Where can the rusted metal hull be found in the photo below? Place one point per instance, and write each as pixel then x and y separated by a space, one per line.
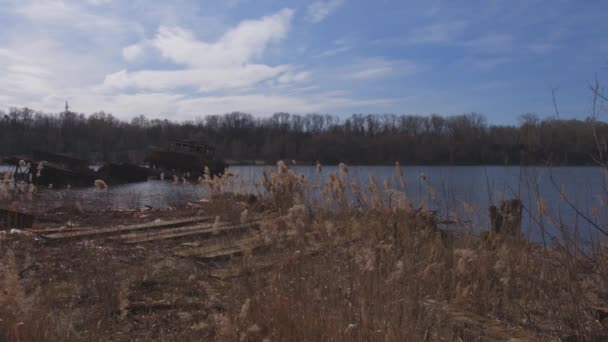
pixel 63 160
pixel 184 162
pixel 123 173
pixel 57 176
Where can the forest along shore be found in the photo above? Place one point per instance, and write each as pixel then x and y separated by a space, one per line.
pixel 465 139
pixel 236 267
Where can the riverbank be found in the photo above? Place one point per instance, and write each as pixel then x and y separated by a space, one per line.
pixel 273 268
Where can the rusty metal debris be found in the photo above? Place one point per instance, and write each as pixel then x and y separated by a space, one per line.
pixel 56 172
pixel 181 158
pixel 184 156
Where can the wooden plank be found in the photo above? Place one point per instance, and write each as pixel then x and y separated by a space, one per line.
pixel 55 230
pixel 120 229
pixel 202 231
pixel 161 231
pixel 220 249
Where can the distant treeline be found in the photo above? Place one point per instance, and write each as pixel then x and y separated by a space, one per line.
pixel 359 139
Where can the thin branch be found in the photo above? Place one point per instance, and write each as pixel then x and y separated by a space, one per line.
pixel 594 116
pixel 553 90
pixel 573 207
pixel 597 92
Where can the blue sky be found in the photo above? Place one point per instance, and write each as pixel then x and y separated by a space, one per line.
pixel 183 59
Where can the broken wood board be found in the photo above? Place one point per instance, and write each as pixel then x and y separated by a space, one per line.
pixel 162 231
pixel 209 230
pixel 119 229
pixel 56 230
pixel 220 250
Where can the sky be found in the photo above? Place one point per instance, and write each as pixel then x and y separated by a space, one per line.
pixel 184 59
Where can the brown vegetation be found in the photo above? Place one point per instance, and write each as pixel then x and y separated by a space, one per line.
pixel 355 263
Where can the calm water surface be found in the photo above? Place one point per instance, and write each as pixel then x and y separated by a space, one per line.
pixel 463 192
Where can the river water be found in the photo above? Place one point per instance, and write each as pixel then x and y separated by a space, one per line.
pixel 572 199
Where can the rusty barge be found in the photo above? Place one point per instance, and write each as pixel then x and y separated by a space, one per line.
pixel 181 157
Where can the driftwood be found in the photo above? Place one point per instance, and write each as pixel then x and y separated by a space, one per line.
pixel 506 218
pixel 90 233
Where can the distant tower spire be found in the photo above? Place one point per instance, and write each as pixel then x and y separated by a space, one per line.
pixel 67 108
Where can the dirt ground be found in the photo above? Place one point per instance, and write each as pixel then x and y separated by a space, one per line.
pixel 256 281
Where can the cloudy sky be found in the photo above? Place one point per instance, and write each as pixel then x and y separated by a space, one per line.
pixel 182 59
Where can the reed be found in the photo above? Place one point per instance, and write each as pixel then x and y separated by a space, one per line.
pixel 348 262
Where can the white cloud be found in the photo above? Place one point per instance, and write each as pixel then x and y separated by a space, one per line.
pixel 98 2
pixel 182 107
pixel 56 64
pixel 321 9
pixel 246 41
pixel 294 77
pixel 267 104
pixel 62 13
pixel 41 67
pixel 204 80
pixel 375 68
pixel 132 52
pixel 334 51
pixel 224 64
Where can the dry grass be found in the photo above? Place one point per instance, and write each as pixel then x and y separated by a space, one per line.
pixel 344 262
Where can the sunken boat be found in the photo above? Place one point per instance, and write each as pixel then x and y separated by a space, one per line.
pixel 123 173
pixel 185 157
pixel 52 169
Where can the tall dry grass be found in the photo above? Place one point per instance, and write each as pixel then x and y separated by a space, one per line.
pixel 369 265
pixel 348 262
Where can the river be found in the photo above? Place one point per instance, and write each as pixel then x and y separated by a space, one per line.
pixel 571 199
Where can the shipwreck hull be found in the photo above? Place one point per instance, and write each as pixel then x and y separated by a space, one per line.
pixel 184 162
pixel 57 176
pixel 123 173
